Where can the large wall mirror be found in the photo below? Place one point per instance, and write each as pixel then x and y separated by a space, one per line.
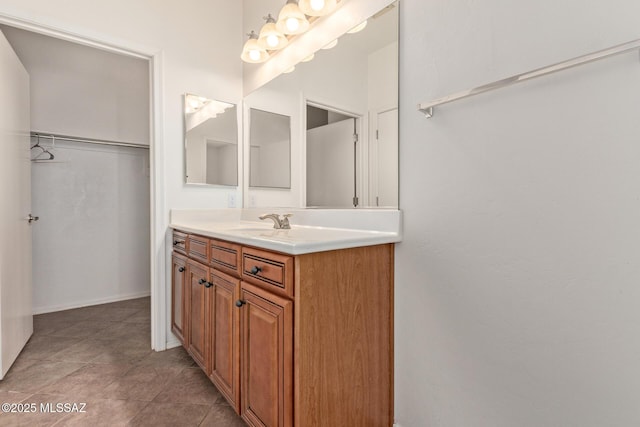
pixel 345 134
pixel 211 141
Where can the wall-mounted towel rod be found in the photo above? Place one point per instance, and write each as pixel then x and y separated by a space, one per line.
pixel 427 107
pixel 87 140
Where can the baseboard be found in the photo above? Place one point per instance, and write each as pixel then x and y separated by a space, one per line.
pixel 50 309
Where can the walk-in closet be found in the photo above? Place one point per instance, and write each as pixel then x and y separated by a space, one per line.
pixel 89 112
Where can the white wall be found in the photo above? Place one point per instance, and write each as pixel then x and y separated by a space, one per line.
pixel 91 243
pixel 517 281
pixel 382 77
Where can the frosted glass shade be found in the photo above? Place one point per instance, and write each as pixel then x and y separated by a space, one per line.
pixel 270 38
pixel 291 20
pixel 252 51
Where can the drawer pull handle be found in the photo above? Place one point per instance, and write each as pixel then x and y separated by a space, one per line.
pixel 176 242
pixel 201 281
pixel 181 269
pixel 240 303
pixel 208 285
pixel 256 270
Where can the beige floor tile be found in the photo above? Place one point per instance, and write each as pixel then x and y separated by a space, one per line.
pixel 104 412
pixel 222 416
pixel 42 347
pixel 170 415
pixel 85 329
pixel 13 396
pixel 139 383
pixel 191 386
pixel 138 303
pixel 88 381
pixel 43 412
pixel 37 376
pixel 83 351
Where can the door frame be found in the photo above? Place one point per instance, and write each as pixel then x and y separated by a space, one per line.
pixel 158 243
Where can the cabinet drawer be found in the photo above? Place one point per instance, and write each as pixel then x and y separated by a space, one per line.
pixel 268 270
pixel 198 248
pixel 180 242
pixel 225 256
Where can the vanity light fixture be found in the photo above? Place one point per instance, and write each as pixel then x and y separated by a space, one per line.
pixel 270 38
pixel 331 44
pixel 252 51
pixel 358 28
pixel 291 19
pixel 317 7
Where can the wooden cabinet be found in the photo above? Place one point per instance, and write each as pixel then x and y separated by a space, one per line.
pixel 303 340
pixel 178 275
pixel 266 337
pixel 225 344
pixel 197 331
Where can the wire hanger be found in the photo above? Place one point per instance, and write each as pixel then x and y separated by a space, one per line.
pixel 38 158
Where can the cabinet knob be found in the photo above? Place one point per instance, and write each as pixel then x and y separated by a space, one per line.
pixel 181 269
pixel 256 270
pixel 240 303
pixel 208 285
pixel 175 242
pixel 201 281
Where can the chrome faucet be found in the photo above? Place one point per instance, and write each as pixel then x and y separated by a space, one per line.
pixel 280 224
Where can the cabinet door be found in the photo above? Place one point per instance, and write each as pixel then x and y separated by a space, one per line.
pixel 267 358
pixel 197 275
pixel 225 336
pixel 178 300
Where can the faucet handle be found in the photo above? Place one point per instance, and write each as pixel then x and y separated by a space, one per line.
pixel 284 223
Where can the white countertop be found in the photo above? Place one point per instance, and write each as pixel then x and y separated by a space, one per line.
pixel 300 239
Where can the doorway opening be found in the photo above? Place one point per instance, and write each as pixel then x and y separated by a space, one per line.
pixel 88 180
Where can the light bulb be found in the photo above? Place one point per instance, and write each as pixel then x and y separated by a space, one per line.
pixel 293 24
pixel 254 55
pixel 309 58
pixel 317 4
pixel 272 40
pixel 289 70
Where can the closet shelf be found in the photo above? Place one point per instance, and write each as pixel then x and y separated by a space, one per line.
pixel 427 107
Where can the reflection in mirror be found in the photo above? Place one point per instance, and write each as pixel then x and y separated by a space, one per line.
pixel 347 132
pixel 211 141
pixel 331 148
pixel 269 149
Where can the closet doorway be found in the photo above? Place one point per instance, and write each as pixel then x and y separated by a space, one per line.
pixel 90 139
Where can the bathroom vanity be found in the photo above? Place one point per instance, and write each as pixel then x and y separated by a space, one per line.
pixel 293 331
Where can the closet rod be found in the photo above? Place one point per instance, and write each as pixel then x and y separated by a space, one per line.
pixel 427 107
pixel 54 136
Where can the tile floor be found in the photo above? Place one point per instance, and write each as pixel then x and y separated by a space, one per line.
pixel 101 355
